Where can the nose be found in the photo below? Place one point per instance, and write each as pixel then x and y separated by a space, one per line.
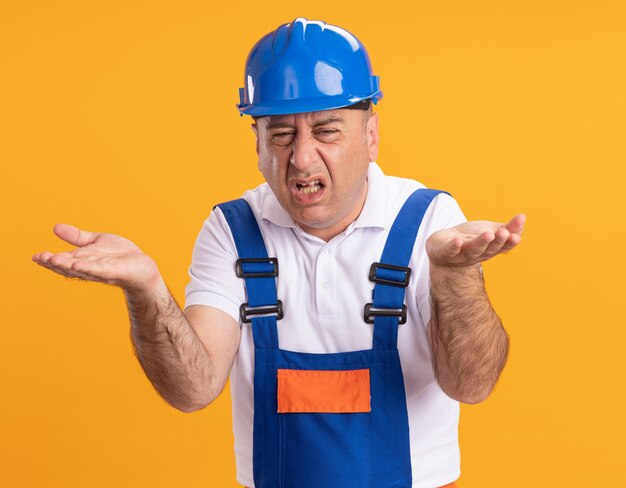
pixel 303 152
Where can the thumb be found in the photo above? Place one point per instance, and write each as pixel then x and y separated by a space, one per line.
pixel 73 235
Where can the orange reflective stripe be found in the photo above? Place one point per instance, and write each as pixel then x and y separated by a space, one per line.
pixel 323 391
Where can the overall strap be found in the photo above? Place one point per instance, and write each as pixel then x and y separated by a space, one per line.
pixel 259 272
pixel 392 274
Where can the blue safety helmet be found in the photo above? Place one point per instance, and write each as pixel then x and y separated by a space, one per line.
pixel 306 66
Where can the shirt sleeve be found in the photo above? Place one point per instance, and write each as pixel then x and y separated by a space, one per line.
pixel 443 213
pixel 212 278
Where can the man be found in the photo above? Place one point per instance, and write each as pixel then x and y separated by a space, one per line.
pixel 338 380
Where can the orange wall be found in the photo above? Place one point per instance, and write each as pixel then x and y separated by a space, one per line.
pixel 120 117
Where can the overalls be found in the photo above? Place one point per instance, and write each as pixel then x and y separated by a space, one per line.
pixel 338 419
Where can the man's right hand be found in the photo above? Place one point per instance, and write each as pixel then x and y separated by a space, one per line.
pixel 187 356
pixel 107 258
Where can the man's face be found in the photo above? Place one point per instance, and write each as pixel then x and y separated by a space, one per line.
pixel 316 164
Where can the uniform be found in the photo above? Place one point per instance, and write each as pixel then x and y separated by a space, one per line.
pixel 324 288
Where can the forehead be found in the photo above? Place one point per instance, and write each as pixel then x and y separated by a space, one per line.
pixel 341 116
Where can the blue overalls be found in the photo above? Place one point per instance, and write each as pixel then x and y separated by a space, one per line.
pixel 303 437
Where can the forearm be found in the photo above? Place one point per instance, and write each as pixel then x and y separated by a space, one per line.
pixel 168 349
pixel 469 346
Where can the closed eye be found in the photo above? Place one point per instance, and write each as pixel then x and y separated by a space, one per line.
pixel 282 138
pixel 327 134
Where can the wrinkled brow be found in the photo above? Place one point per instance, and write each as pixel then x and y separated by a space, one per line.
pixel 280 124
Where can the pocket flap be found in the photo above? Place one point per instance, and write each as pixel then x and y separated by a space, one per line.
pixel 315 391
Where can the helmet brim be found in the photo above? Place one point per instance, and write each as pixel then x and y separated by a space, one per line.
pixel 296 106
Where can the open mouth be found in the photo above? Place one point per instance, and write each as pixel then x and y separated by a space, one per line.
pixel 310 187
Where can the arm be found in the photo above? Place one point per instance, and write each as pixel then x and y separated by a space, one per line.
pixel 187 357
pixel 468 343
pixel 467 340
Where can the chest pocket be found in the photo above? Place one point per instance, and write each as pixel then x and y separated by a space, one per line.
pixel 324 428
pixel 318 391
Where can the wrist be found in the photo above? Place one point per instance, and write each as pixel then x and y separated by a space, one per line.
pixel 152 289
pixel 456 280
pixel 455 272
pixel 148 280
pixel 146 304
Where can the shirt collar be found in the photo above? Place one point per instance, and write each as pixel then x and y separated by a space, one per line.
pixel 372 215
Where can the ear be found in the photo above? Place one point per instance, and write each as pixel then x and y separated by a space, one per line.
pixel 371 131
pixel 255 129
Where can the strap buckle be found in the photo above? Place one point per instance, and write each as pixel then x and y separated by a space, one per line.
pixel 389 280
pixel 247 313
pixel 370 312
pixel 256 274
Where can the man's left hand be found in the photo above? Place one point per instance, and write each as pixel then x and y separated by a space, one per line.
pixel 471 242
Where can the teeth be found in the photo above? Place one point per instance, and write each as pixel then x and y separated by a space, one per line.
pixel 310 183
pixel 310 187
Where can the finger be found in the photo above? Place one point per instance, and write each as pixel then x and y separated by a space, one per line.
pixel 69 273
pixel 501 237
pixel 516 224
pixel 42 257
pixel 88 253
pixel 63 263
pixel 444 250
pixel 97 271
pixel 62 260
pixel 477 247
pixel 77 269
pixel 454 247
pixel 511 242
pixel 74 235
pixel 90 267
pixel 450 248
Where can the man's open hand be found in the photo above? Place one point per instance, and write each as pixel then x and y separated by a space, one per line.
pixel 472 242
pixel 107 258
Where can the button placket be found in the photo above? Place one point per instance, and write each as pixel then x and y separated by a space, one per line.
pixel 325 284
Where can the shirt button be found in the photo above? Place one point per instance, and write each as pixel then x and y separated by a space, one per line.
pixel 324 284
pixel 325 252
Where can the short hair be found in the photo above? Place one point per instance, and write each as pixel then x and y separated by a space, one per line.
pixel 362 105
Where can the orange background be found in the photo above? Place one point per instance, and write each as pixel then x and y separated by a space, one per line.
pixel 120 117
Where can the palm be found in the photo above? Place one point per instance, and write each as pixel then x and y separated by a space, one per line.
pixel 472 242
pixel 106 258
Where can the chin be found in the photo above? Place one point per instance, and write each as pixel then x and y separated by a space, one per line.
pixel 313 220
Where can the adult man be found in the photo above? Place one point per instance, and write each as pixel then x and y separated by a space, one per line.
pixel 341 402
